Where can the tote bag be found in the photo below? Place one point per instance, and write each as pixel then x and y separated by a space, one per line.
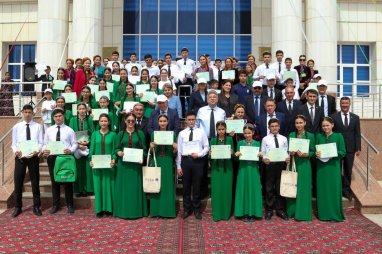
pixel 288 182
pixel 151 176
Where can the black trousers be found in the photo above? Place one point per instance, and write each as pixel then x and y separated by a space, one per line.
pixel 19 176
pixel 56 185
pixel 347 166
pixel 192 178
pixel 272 173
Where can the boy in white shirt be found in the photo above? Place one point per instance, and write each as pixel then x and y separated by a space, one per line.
pixel 47 108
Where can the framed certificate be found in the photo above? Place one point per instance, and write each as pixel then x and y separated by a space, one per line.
pixel 141 88
pixel 99 94
pixel 96 112
pixel 301 144
pixel 148 96
pixel 228 74
pixel 164 137
pixel 220 152
pixel 277 154
pixel 205 75
pixel 101 161
pixel 129 105
pixel 55 147
pixel 235 125
pixel 249 153
pixel 191 147
pixel 93 88
pixel 115 77
pixel 110 86
pixel 69 97
pixel 59 84
pixel 28 147
pixel 327 150
pixel 133 155
pixel 82 136
pixel 133 79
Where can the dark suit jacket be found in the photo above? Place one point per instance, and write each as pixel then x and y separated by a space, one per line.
pixel 196 102
pixel 303 69
pixel 318 116
pixel 250 107
pixel 289 117
pixel 277 96
pixel 263 124
pixel 352 134
pixel 331 104
pixel 44 78
pixel 173 118
pixel 228 108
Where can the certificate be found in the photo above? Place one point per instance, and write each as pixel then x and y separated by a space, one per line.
pixel 99 94
pixel 235 125
pixel 205 75
pixel 96 112
pixel 220 152
pixel 55 147
pixel 163 137
pixel 266 72
pixel 133 79
pixel 93 88
pixel 141 88
pixel 132 155
pixel 191 147
pixel 148 96
pixel 82 136
pixel 110 86
pixel 327 150
pixel 101 161
pixel 74 109
pixel 129 105
pixel 115 77
pixel 69 97
pixel 28 147
pixel 187 69
pixel 312 86
pixel 228 74
pixel 301 144
pixel 249 153
pixel 59 84
pixel 277 154
pixel 289 74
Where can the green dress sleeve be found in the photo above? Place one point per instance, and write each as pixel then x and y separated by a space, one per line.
pixel 341 146
pixel 92 145
pixel 312 147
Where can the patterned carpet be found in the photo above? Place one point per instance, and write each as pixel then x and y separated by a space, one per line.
pixel 84 233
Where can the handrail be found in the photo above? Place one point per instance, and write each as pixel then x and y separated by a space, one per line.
pixel 368 158
pixel 370 144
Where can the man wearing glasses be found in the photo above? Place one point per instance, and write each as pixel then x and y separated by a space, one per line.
pixel 303 73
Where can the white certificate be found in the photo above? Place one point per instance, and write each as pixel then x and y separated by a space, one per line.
pixel 228 74
pixel 277 154
pixel 55 147
pixel 133 155
pixel 129 105
pixel 191 147
pixel 141 88
pixel 96 112
pixel 205 75
pixel 164 137
pixel 301 144
pixel 93 88
pixel 59 84
pixel 220 152
pixel 235 125
pixel 187 69
pixel 327 150
pixel 101 161
pixel 249 153
pixel 149 96
pixel 99 94
pixel 69 97
pixel 133 79
pixel 110 86
pixel 28 147
pixel 266 72
pixel 115 77
pixel 289 74
pixel 74 109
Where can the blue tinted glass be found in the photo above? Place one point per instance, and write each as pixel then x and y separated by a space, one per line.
pixel 363 73
pixel 206 45
pixel 149 45
pixel 188 41
pixel 186 17
pixel 149 18
pixel 29 53
pixel 363 54
pixel 362 91
pixel 167 17
pixel 338 74
pixel 15 55
pixel 243 17
pixel 242 47
pixel 206 17
pixel 130 45
pixel 347 54
pixel 131 17
pixel 224 46
pixel 15 71
pixel 348 78
pixel 224 17
pixel 167 44
pixel 338 53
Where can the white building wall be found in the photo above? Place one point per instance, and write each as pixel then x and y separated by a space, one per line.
pixel 113 24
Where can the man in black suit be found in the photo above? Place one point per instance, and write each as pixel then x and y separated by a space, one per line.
pixel 313 114
pixel 46 78
pixel 348 124
pixel 270 108
pixel 163 109
pixel 289 107
pixel 303 74
pixel 141 121
pixel 254 104
pixel 325 101
pixel 271 91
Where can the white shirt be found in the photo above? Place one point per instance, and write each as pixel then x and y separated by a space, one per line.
pixel 47 115
pixel 269 118
pixel 110 64
pixel 325 103
pixel 216 72
pixel 175 72
pixel 203 118
pixel 197 135
pixel 130 65
pixel 295 79
pixel 19 134
pixel 67 136
pixel 276 65
pixel 343 117
pixel 261 70
pixel 268 142
pixel 153 70
pixel 187 68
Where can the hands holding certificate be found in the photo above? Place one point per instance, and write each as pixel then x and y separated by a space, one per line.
pixel 174 145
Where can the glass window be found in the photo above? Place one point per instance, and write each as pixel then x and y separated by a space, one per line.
pixel 149 17
pixel 15 55
pixel 19 55
pixel 130 45
pixel 167 17
pixel 348 54
pixel 224 17
pixel 29 53
pixel 348 78
pixel 242 47
pixel 362 54
pixel 243 17
pixel 206 45
pixel 224 46
pixel 131 17
pixel 188 41
pixel 362 91
pixel 206 17
pixel 149 46
pixel 167 44
pixel 15 71
pixel 186 17
pixel 363 73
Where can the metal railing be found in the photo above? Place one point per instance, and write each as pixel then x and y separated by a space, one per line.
pixel 369 148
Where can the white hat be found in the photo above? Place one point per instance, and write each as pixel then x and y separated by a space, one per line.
pixel 317 75
pixel 257 84
pixel 271 76
pixel 48 90
pixel 161 98
pixel 202 81
pixel 322 82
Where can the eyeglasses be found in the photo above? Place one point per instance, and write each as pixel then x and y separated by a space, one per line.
pixel 130 121
pixel 302 60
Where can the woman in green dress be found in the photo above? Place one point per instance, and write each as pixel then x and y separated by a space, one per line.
pixel 221 177
pixel 150 106
pixel 162 204
pixel 300 208
pixel 68 89
pixel 144 77
pixel 119 89
pixel 329 186
pixel 248 197
pixel 87 98
pixel 104 103
pixel 130 95
pixel 84 182
pixel 129 199
pixel 102 143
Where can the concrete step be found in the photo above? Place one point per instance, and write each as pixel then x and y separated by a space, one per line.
pixel 44 176
pixel 45 186
pixel 46 200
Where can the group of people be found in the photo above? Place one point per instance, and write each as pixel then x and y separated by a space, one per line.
pixel 273 101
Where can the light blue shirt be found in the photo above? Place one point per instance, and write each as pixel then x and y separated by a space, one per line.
pixel 325 103
pixel 203 118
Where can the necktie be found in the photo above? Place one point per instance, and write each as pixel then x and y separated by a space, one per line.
pixel 28 132
pixel 276 141
pixel 271 116
pixel 58 135
pixel 139 123
pixel 346 121
pixel 169 71
pixel 162 113
pixel 290 107
pixel 271 93
pixel 185 62
pixel 257 105
pixel 267 65
pixel 279 67
pixel 312 114
pixel 212 124
pixel 322 102
pixel 190 138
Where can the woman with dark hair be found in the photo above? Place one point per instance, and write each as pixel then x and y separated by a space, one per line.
pixel 173 100
pixel 129 199
pixel 119 89
pixel 97 67
pixel 60 76
pixel 300 208
pixel 150 106
pixel 70 72
pixel 82 76
pixel 107 75
pixel 227 100
pixel 228 66
pixel 87 98
pixel 203 67
pixel 145 77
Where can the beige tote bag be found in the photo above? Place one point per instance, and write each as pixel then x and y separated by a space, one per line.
pixel 151 176
pixel 288 182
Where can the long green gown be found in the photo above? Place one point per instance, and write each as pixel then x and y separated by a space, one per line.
pixel 248 198
pixel 221 183
pixel 84 182
pixel 329 186
pixel 103 179
pixel 129 199
pixel 163 203
pixel 149 109
pixel 300 207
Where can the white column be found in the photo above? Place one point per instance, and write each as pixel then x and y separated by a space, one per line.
pixel 52 33
pixel 321 31
pixel 87 28
pixel 287 28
